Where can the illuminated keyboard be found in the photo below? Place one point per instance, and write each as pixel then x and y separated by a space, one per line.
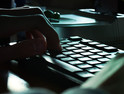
pixel 81 58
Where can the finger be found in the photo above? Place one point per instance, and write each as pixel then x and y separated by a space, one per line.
pixel 29 35
pixel 34 34
pixel 37 34
pixel 28 48
pixel 51 36
pixel 53 51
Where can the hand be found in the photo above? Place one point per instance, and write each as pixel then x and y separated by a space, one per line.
pixel 42 31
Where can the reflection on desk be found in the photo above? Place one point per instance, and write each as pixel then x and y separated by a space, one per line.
pixel 16 84
pixel 23 77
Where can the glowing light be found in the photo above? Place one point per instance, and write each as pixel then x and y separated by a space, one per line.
pixel 16 84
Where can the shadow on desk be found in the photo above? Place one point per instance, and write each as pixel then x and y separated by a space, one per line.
pixel 21 77
pixel 3 80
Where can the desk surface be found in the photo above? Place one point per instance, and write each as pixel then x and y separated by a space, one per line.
pixel 72 20
pixel 22 79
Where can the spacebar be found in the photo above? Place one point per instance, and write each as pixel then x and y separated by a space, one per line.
pixel 67 66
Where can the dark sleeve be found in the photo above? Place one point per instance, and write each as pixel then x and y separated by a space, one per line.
pixel 77 90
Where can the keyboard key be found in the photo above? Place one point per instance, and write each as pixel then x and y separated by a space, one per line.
pixel 87 48
pixel 60 56
pixel 66 59
pixel 76 56
pixel 85 74
pixel 79 45
pixel 65 45
pixel 68 53
pixel 120 51
pixel 95 51
pixel 75 38
pixel 64 50
pixel 85 41
pixel 84 59
pixel 110 49
pixel 47 53
pixel 94 69
pixel 103 53
pixel 87 53
pixel 100 65
pixel 68 66
pixel 93 62
pixel 84 66
pixel 101 45
pixel 111 56
pixel 95 56
pixel 73 43
pixel 65 41
pixel 103 59
pixel 93 44
pixel 75 62
pixel 71 48
pixel 79 51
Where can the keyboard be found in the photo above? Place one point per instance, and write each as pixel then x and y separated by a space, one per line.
pixel 80 58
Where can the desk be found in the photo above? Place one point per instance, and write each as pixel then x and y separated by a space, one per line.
pixel 87 24
pixel 22 79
